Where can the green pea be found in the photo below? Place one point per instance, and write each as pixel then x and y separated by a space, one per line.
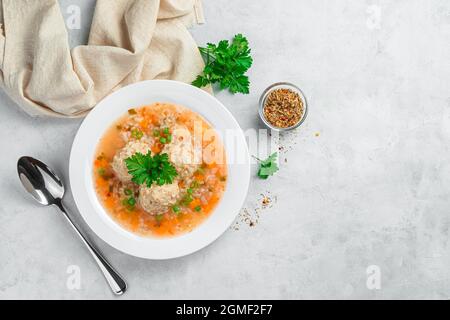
pixel 198 208
pixel 101 171
pixel 128 192
pixel 187 199
pixel 194 184
pixel 163 140
pixel 176 209
pixel 201 170
pixel 190 190
pixel 156 133
pixel 131 201
pixel 137 134
pixel 169 138
pixel 166 131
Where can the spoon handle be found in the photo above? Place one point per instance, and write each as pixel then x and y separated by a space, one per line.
pixel 115 281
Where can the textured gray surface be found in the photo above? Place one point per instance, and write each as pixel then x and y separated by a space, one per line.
pixel 372 189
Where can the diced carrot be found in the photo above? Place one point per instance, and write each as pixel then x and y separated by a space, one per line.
pixel 144 124
pixel 211 204
pixel 109 202
pixel 211 165
pixel 156 148
pixel 194 203
pixel 222 170
pixel 199 177
pixel 134 221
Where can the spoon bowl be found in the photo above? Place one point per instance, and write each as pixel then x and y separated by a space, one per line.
pixel 40 181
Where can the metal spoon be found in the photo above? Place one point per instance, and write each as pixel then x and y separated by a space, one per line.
pixel 45 186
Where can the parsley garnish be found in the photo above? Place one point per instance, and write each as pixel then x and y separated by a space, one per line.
pixel 147 169
pixel 268 167
pixel 226 64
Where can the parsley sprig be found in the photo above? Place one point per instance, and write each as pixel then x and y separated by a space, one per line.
pixel 146 169
pixel 268 167
pixel 226 64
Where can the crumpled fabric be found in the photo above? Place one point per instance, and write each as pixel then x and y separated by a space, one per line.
pixel 129 41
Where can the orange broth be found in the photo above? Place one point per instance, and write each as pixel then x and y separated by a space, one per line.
pixel 209 179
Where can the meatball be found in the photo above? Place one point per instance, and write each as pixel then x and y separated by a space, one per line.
pixel 118 164
pixel 182 153
pixel 157 199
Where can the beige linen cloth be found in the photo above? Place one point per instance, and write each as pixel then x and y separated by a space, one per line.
pixel 129 41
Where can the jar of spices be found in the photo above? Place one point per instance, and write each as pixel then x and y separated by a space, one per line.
pixel 283 106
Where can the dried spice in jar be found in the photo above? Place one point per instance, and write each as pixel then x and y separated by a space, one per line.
pixel 283 108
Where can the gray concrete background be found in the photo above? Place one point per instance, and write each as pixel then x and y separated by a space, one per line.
pixel 373 188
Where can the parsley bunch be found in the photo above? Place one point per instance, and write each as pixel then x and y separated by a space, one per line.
pixel 147 169
pixel 226 64
pixel 268 167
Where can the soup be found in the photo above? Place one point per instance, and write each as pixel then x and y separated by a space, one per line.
pixel 160 170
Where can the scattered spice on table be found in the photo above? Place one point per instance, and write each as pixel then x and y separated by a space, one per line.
pixel 266 201
pixel 250 219
pixel 250 215
pixel 283 108
pixel 288 140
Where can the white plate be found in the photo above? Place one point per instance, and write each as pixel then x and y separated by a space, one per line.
pixel 108 111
